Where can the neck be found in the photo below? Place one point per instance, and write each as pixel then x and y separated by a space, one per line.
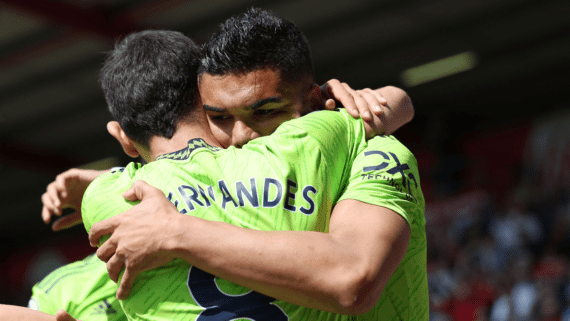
pixel 185 131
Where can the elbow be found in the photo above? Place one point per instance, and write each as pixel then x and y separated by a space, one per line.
pixel 407 103
pixel 400 98
pixel 358 294
pixel 404 101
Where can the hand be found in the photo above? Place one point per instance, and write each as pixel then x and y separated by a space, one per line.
pixel 138 236
pixel 62 315
pixel 67 192
pixel 365 102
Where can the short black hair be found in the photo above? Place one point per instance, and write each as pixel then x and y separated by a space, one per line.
pixel 256 40
pixel 150 82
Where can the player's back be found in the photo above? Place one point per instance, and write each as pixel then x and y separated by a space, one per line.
pixel 263 187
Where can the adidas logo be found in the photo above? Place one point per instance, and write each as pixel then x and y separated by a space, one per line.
pixel 104 308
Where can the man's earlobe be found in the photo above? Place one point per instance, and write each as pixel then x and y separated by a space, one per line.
pixel 128 145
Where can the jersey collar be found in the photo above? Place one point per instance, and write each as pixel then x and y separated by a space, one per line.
pixel 193 144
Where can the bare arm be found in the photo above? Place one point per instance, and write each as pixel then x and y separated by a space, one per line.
pixel 355 259
pixel 343 271
pixel 11 313
pixel 399 110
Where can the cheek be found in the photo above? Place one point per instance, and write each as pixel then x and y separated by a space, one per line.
pixel 222 138
pixel 221 135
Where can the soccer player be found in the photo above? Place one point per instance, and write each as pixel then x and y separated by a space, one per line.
pixel 408 288
pixel 301 280
pixel 238 120
pixel 288 182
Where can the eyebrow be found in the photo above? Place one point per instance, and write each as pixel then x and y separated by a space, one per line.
pixel 258 104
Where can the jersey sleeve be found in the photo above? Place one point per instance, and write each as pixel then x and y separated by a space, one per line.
pixel 103 198
pixel 385 174
pixel 40 301
pixel 82 288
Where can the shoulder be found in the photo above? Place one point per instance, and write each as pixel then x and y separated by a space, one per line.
pixel 54 289
pixel 71 272
pixel 325 120
pixel 390 150
pixel 333 131
pixel 385 173
pixel 103 197
pixel 115 176
pixel 83 288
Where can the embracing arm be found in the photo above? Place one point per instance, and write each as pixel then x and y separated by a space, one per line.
pixel 343 271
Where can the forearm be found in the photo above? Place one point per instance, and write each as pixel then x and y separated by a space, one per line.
pixel 310 269
pixel 399 109
pixel 10 313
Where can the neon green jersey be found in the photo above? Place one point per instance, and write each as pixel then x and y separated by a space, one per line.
pixel 385 173
pixel 287 181
pixel 82 288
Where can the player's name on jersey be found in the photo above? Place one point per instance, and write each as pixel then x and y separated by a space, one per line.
pixel 273 192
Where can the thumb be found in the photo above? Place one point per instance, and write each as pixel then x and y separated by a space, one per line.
pixel 67 221
pixel 330 104
pixel 138 191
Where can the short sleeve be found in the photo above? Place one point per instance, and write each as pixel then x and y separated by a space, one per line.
pixel 103 198
pixel 386 174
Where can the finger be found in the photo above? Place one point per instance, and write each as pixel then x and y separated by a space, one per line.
pixel 67 221
pixel 48 203
pixel 372 103
pixel 114 267
pixel 107 250
pixel 342 93
pixel 375 99
pixel 327 88
pixel 62 315
pixel 61 182
pixel 141 190
pixel 53 194
pixel 361 106
pixel 99 229
pixel 46 216
pixel 126 283
pixel 330 104
pixel 130 194
pixel 381 99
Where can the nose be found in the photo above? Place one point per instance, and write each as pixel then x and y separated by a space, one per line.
pixel 242 133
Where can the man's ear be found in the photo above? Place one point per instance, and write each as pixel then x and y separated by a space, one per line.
pixel 313 98
pixel 128 145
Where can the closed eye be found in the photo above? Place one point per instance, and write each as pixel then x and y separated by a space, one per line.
pixel 267 112
pixel 219 118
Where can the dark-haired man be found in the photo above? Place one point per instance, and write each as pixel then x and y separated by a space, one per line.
pixel 285 183
pixel 261 44
pixel 304 269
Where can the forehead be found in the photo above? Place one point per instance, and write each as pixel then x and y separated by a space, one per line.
pixel 234 91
